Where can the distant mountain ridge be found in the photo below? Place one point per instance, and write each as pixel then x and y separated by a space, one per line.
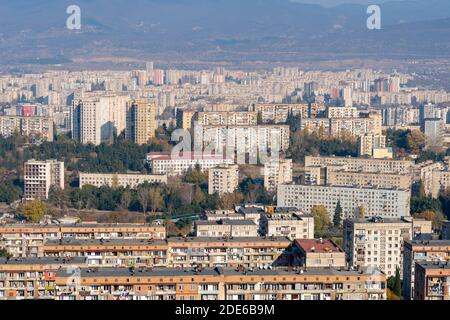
pixel 219 29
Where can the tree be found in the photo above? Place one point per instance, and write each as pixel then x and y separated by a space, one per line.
pixel 435 217
pixel 397 283
pixel 321 218
pixel 33 211
pixel 57 197
pixel 142 196
pixel 4 253
pixel 337 218
pixel 125 199
pixel 360 212
pixel 155 198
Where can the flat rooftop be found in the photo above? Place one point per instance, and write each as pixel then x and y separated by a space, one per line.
pixel 103 242
pixel 42 261
pixel 429 243
pixel 225 221
pixel 435 265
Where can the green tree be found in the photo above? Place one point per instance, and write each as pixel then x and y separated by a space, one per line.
pixel 321 219
pixel 337 218
pixel 155 198
pixel 397 289
pixel 435 217
pixel 4 253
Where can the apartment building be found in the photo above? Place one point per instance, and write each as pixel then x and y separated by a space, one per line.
pixel 226 118
pixel 418 251
pixel 173 165
pixel 175 252
pixel 362 164
pixel 378 243
pixel 37 127
pixel 184 119
pixel 115 180
pixel 279 113
pixel 222 284
pixel 96 119
pixel 320 126
pixel 27 240
pixel 424 173
pixel 287 224
pixel 276 172
pixel 223 179
pixel 432 281
pixel 210 252
pixel 317 253
pixel 226 228
pixel 342 112
pixel 141 121
pixel 440 182
pixel 338 177
pixel 33 278
pixel 39 176
pixel 386 203
pixel 369 143
pixel 244 139
pixel 355 126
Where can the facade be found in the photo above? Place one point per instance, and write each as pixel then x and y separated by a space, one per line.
pixel 369 142
pixel 173 165
pixel 226 118
pixel 432 281
pixel 226 228
pixel 340 112
pixel 32 126
pixel 39 176
pixel 223 180
pixel 141 121
pixel 277 172
pixel 317 253
pixel 279 113
pixel 97 119
pixel 184 119
pixel 119 180
pixel 378 243
pixel 32 278
pixel 418 251
pixel 366 179
pixel 440 182
pixel 222 284
pixel 287 224
pixel 27 240
pixel 386 203
pixel 362 164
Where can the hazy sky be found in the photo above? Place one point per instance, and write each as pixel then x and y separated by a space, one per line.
pixel 330 3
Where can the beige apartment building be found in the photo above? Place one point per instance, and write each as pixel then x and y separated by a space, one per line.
pixel 39 176
pixel 223 179
pixel 362 164
pixel 141 121
pixel 378 243
pixel 279 113
pixel 221 284
pixel 365 179
pixel 217 118
pixel 342 112
pixel 317 253
pixel 368 143
pixel 432 281
pixel 276 172
pixel 27 240
pixel 119 180
pixel 419 251
pixel 287 223
pixel 184 118
pixel 226 228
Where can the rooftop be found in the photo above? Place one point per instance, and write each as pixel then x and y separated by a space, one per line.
pixel 42 261
pixel 318 245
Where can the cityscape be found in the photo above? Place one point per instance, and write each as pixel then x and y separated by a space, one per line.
pixel 158 179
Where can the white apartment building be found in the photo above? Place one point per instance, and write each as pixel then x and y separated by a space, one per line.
pixel 219 118
pixel 226 228
pixel 386 203
pixel 96 119
pixel 276 172
pixel 180 164
pixel 37 127
pixel 119 180
pixel 378 243
pixel 39 176
pixel 342 112
pixel 223 179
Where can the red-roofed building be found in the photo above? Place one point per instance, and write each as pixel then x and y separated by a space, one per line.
pixel 317 253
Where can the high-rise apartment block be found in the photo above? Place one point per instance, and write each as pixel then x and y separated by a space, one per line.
pixel 223 179
pixel 141 121
pixel 39 176
pixel 378 243
pixel 276 172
